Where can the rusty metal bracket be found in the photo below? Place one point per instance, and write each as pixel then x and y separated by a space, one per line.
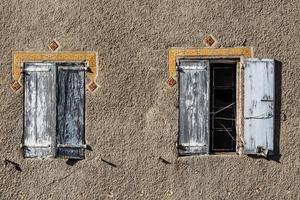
pixel 19 57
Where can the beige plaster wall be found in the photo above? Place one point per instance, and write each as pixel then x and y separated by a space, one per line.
pixel 132 118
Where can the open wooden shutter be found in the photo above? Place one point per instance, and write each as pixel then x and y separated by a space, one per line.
pixel 70 110
pixel 193 107
pixel 39 109
pixel 259 105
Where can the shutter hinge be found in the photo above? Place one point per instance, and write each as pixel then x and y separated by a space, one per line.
pixel 242 65
pixel 71 146
pixel 34 70
pixel 177 68
pixel 34 146
pixel 58 145
pixel 73 68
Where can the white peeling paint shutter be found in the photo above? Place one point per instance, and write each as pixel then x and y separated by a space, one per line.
pixel 259 105
pixel 193 107
pixel 70 110
pixel 39 109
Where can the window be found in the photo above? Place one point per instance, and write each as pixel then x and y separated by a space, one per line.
pixel 222 107
pixel 54 99
pixel 210 98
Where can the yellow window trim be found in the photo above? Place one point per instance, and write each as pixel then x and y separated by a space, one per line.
pixel 177 52
pixel 90 57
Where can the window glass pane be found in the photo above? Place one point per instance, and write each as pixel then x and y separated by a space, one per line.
pixel 223 77
pixel 223 104
pixel 223 97
pixel 223 140
pixel 224 119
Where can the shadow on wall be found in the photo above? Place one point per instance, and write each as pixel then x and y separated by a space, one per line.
pixel 278 113
pixel 72 162
pixel 13 164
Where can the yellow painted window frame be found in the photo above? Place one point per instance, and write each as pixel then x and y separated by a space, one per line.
pixel 177 52
pixel 89 57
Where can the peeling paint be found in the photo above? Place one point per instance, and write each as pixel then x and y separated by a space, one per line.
pixel 259 106
pixel 194 107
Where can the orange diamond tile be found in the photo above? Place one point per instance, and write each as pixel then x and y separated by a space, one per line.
pixel 53 45
pixel 171 82
pixel 15 86
pixel 92 86
pixel 209 40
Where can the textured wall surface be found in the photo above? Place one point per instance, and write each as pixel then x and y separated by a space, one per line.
pixel 131 120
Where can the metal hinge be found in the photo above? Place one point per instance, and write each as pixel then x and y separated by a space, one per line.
pixel 261 151
pixel 58 145
pixel 34 70
pixel 73 68
pixel 34 146
pixel 71 146
pixel 242 65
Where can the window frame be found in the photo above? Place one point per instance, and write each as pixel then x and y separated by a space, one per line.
pixel 239 60
pixel 233 66
pixel 175 53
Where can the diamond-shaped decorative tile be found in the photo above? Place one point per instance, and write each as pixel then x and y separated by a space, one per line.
pixel 15 86
pixel 171 82
pixel 53 45
pixel 92 86
pixel 210 40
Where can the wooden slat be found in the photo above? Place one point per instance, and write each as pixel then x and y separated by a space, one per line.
pixel 259 106
pixel 194 107
pixel 70 110
pixel 39 110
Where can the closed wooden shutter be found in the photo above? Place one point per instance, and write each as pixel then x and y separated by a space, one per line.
pixel 259 105
pixel 70 110
pixel 39 109
pixel 193 107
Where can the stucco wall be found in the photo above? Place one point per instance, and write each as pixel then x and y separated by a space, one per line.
pixel 131 119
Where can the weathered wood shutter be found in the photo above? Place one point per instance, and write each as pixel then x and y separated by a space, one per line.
pixel 70 110
pixel 39 109
pixel 193 107
pixel 259 105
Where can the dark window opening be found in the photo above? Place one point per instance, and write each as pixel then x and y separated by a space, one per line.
pixel 223 104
